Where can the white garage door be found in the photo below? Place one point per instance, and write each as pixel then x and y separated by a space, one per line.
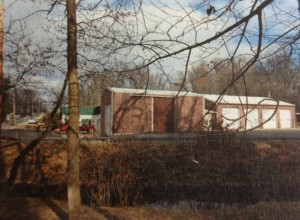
pixel 285 118
pixel 266 115
pixel 251 118
pixel 231 118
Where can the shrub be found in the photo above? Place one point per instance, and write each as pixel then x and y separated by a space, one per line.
pixel 125 174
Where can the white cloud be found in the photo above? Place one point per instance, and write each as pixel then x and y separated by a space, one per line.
pixel 166 23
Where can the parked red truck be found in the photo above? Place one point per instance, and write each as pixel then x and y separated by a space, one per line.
pixel 88 128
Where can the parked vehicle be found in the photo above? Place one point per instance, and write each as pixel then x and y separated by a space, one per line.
pixel 32 120
pixel 64 128
pixel 88 128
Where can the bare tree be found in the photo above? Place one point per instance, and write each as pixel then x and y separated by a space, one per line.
pixel 119 41
pixel 183 35
pixel 165 40
pixel 281 73
pixel 27 61
pixel 215 76
pixel 1 62
pixel 203 79
pixel 74 199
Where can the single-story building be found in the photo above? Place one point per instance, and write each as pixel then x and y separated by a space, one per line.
pixel 87 115
pixel 246 112
pixel 133 111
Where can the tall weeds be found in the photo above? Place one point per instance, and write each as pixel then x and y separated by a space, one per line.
pixel 125 174
pixel 146 172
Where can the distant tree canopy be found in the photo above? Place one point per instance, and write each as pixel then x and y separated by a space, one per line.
pixel 277 76
pixel 141 44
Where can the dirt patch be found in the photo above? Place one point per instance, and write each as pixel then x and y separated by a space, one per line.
pixel 40 209
pixel 26 208
pixel 134 213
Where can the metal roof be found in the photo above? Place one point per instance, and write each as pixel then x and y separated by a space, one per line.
pixel 149 92
pixel 224 99
pixel 244 100
pixel 83 110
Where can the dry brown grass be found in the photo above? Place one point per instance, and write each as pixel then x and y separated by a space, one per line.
pixel 27 208
pixel 38 209
pixel 241 172
pixel 285 210
pixel 255 172
pixel 135 213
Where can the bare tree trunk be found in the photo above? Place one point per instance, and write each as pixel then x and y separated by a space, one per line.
pixel 74 198
pixel 1 62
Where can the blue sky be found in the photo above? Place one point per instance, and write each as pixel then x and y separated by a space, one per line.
pixel 183 20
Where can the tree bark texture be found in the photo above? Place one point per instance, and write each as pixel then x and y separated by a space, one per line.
pixel 1 63
pixel 74 198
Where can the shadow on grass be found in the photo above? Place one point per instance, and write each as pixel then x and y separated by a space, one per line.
pixel 107 215
pixel 58 210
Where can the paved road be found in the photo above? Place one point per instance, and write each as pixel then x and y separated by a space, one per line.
pixel 251 135
pixel 271 134
pixel 25 134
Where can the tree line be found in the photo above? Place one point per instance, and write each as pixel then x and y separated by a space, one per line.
pixel 276 77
